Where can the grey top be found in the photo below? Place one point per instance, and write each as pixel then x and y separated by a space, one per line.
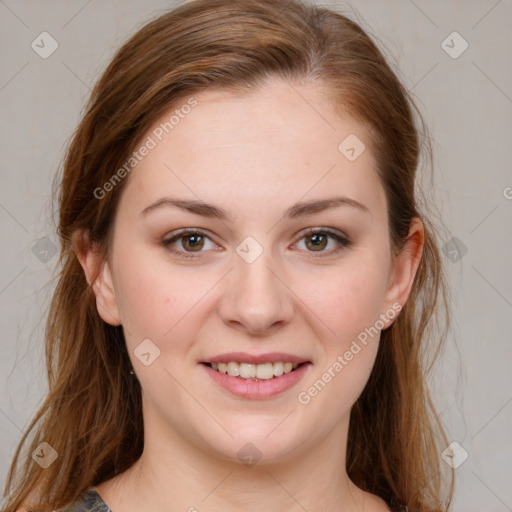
pixel 91 502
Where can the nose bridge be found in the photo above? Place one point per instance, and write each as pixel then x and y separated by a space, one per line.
pixel 258 299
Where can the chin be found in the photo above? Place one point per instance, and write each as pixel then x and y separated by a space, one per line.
pixel 258 443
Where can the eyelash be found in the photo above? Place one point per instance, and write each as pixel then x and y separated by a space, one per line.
pixel 342 240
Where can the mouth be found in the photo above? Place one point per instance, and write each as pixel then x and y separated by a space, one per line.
pixel 255 372
pixel 255 377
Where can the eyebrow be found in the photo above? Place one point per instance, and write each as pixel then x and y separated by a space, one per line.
pixel 295 211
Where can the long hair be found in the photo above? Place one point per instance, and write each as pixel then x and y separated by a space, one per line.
pixel 92 416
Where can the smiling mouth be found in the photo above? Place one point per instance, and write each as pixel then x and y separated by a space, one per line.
pixel 250 371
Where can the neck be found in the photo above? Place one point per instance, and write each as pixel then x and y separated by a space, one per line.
pixel 174 474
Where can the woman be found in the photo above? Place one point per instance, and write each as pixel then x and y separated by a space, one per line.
pixel 248 286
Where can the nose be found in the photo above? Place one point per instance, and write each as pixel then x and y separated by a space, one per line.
pixel 256 299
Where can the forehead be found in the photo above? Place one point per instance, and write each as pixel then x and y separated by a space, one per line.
pixel 282 141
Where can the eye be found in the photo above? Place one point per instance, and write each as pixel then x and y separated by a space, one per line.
pixel 191 240
pixel 317 239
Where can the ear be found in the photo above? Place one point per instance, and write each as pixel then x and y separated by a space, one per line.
pixel 98 275
pixel 404 267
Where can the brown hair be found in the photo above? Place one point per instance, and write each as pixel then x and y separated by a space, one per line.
pixel 92 415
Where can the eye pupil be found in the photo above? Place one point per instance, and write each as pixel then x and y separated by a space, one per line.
pixel 197 238
pixel 318 243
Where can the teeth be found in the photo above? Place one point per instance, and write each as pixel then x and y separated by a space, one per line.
pixel 278 369
pixel 263 371
pixel 247 371
pixel 233 369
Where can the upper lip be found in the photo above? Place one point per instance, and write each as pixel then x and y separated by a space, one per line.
pixel 243 357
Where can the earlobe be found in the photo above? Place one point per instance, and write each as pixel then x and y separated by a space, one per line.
pixel 405 266
pixel 98 275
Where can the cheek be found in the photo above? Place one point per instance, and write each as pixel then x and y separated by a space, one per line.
pixel 155 297
pixel 350 305
pixel 347 299
pixel 343 379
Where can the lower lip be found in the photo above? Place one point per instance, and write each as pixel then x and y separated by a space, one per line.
pixel 257 389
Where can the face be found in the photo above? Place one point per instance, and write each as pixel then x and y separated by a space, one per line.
pixel 260 276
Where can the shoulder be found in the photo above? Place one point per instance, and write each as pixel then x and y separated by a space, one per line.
pixel 89 502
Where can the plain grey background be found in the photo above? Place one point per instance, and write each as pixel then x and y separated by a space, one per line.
pixel 466 98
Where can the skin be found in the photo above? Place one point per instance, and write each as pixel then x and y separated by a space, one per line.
pixel 255 156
